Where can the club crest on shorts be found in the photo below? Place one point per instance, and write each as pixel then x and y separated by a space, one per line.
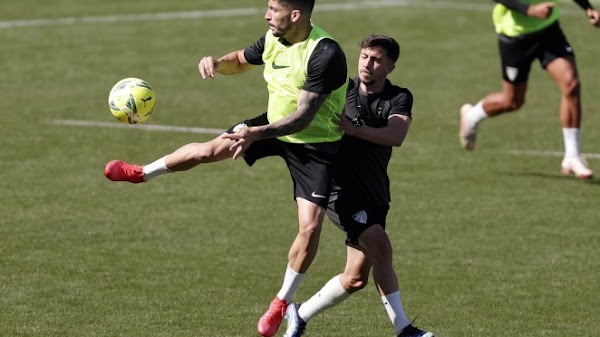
pixel 512 73
pixel 360 217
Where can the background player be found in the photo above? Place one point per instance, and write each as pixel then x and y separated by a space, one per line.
pixel 529 30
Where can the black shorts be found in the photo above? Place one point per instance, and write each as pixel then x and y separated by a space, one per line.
pixel 518 53
pixel 354 217
pixel 310 165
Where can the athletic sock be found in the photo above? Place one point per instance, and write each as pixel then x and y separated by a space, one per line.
pixel 155 169
pixel 330 295
pixel 393 305
pixel 291 281
pixel 476 114
pixel 571 138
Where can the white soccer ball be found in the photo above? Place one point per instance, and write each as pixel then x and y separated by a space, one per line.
pixel 131 100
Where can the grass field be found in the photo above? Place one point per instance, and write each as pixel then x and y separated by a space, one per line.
pixel 490 243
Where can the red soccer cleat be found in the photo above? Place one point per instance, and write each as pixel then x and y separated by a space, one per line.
pixel 269 323
pixel 117 170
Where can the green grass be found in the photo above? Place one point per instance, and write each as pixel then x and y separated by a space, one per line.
pixel 486 244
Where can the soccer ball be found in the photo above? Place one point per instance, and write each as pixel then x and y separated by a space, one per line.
pixel 131 100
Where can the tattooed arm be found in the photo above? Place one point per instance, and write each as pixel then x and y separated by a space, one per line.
pixel 308 105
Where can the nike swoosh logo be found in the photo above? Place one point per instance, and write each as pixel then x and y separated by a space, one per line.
pixel 315 195
pixel 276 66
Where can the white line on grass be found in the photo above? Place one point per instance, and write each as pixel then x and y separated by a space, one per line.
pixel 219 13
pixel 232 12
pixel 149 127
pixel 550 154
pixel 209 131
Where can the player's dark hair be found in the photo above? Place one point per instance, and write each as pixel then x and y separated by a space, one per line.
pixel 391 47
pixel 304 5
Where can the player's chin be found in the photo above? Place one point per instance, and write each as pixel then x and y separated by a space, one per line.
pixel 365 78
pixel 276 33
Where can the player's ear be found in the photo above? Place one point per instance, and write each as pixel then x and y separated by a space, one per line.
pixel 391 68
pixel 295 15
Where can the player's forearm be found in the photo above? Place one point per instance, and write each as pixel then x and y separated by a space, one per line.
pixel 380 136
pixel 585 4
pixel 391 135
pixel 308 105
pixel 232 63
pixel 293 123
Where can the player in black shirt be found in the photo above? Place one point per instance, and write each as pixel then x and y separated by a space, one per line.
pixel 377 117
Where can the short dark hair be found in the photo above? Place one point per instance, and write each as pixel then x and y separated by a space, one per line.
pixel 304 5
pixel 391 47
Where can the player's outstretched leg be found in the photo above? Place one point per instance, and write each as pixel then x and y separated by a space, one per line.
pixel 269 323
pixel 117 170
pixel 184 158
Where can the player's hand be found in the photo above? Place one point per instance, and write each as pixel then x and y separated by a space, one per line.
pixel 207 67
pixel 344 124
pixel 594 17
pixel 244 137
pixel 542 10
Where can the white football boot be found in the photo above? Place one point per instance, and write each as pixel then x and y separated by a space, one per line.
pixel 467 134
pixel 577 166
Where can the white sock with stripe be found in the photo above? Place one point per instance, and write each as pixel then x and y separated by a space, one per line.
pixel 330 295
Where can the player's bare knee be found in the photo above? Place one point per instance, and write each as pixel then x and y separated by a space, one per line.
pixel 310 226
pixel 512 104
pixel 383 254
pixel 310 230
pixel 202 152
pixel 572 87
pixel 353 283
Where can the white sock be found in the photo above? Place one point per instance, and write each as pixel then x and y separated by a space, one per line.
pixel 330 295
pixel 476 114
pixel 571 138
pixel 291 281
pixel 155 169
pixel 393 305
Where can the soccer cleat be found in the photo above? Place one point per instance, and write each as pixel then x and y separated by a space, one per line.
pixel 411 331
pixel 117 170
pixel 467 134
pixel 295 324
pixel 577 166
pixel 269 323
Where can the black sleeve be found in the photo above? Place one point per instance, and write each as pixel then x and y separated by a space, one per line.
pixel 516 5
pixel 253 54
pixel 585 4
pixel 402 103
pixel 327 69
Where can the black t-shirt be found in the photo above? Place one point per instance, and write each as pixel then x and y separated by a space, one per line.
pixel 327 67
pixel 361 166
